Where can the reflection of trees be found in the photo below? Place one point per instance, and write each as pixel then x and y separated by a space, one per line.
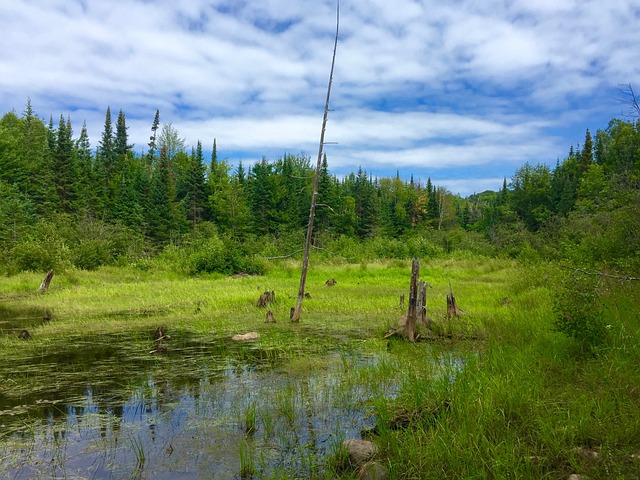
pixel 114 378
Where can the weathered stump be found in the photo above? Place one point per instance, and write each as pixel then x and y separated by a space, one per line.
pixel 45 283
pixel 159 334
pixel 270 318
pixel 330 283
pixel 452 306
pixel 402 301
pixel 266 298
pixel 24 335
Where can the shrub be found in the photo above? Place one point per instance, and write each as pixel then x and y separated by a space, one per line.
pixel 92 253
pixel 578 310
pixel 39 256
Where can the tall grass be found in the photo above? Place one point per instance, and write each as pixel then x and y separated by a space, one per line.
pixel 520 401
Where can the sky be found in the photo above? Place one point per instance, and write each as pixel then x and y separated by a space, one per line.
pixel 463 92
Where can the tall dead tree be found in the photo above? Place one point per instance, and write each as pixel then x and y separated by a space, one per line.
pixel 295 315
pixel 410 326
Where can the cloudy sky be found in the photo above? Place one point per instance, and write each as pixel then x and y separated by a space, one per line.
pixel 463 91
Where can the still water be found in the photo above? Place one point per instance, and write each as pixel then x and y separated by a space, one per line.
pixel 202 410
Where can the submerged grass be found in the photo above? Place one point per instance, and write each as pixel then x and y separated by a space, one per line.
pixel 522 402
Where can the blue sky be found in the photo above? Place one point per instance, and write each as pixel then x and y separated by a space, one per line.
pixel 464 92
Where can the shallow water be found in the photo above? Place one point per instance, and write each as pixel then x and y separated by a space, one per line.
pixel 108 409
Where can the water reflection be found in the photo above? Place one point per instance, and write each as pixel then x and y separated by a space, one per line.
pixel 112 414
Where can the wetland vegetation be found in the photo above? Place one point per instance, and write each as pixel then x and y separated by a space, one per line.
pixel 537 379
pixel 88 397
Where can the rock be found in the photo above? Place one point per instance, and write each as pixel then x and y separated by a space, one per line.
pixel 360 451
pixel 588 454
pixel 373 471
pixel 575 476
pixel 243 337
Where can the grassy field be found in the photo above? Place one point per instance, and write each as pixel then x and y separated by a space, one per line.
pixel 518 401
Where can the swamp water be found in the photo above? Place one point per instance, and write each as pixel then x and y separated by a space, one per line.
pixel 109 408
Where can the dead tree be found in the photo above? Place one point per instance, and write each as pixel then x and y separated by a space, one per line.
pixel 422 304
pixel 452 306
pixel 295 317
pixel 45 283
pixel 410 326
pixel 630 100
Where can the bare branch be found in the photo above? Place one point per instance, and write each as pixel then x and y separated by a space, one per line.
pixel 630 99
pixel 601 274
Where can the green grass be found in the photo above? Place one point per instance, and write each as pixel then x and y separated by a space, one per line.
pixel 523 401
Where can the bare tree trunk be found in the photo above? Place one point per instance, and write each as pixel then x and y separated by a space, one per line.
pixel 295 316
pixel 452 306
pixel 45 283
pixel 410 326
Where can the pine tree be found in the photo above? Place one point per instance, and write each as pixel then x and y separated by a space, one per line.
pixel 64 167
pixel 261 195
pixel 85 193
pixel 586 156
pixel 105 153
pixel 194 193
pixel 121 148
pixel 327 205
pixel 366 202
pixel 162 213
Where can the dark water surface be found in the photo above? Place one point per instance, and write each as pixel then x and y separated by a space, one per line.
pixel 107 408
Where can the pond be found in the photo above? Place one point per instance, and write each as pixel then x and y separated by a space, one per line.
pixel 104 408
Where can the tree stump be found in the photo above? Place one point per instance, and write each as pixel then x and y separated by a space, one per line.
pixel 422 305
pixel 24 335
pixel 270 318
pixel 266 298
pixel 452 306
pixel 45 283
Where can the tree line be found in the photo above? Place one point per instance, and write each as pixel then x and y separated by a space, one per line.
pixel 96 206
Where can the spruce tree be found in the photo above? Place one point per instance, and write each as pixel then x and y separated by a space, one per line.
pixel 64 167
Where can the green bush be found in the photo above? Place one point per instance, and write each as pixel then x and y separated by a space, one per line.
pixel 38 256
pixel 92 253
pixel 579 311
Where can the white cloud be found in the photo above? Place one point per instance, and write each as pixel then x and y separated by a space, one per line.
pixel 421 85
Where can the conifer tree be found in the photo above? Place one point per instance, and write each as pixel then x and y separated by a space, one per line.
pixel 64 167
pixel 194 190
pixel 84 160
pixel 162 213
pixel 105 152
pixel 121 148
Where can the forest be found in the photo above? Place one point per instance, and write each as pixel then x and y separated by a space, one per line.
pixel 66 203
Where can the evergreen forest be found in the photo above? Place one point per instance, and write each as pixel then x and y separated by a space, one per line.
pixel 67 203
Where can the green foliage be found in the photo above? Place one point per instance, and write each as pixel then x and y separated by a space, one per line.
pixel 205 251
pixel 579 310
